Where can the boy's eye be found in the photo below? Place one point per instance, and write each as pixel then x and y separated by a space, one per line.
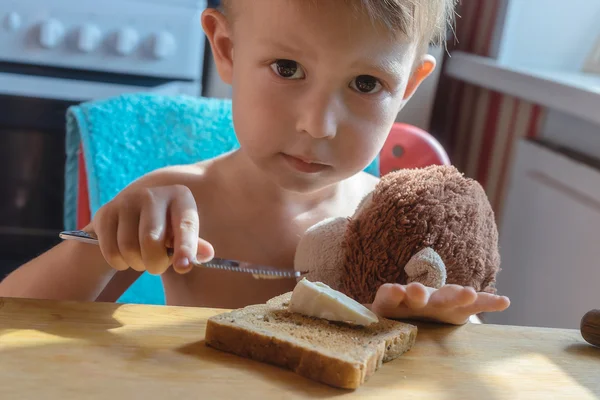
pixel 287 69
pixel 366 84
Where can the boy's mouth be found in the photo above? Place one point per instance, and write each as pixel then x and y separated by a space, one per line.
pixel 304 164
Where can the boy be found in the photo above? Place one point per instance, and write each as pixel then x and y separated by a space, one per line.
pixel 316 88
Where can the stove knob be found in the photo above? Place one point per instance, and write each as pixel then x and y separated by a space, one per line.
pixel 127 41
pixel 88 38
pixel 163 45
pixel 51 33
pixel 12 22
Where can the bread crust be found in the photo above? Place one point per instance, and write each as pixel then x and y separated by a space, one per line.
pixel 230 332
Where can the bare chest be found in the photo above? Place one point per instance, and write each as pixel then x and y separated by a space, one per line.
pixel 261 238
pixel 252 231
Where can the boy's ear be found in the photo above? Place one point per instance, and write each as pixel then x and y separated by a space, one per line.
pixel 217 29
pixel 422 71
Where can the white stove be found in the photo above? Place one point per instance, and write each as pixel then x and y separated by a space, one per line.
pixel 118 40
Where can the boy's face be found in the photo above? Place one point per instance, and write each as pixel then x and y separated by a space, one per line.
pixel 316 87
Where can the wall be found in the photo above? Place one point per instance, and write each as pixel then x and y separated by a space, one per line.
pixel 553 34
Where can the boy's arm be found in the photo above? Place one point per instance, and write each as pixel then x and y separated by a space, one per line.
pixel 69 271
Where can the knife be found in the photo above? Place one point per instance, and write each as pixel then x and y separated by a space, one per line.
pixel 257 271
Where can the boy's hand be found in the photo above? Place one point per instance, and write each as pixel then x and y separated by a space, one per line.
pixel 137 226
pixel 452 304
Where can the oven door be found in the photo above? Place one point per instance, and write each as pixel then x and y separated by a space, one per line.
pixel 32 156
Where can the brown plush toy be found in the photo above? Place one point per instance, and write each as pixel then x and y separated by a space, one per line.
pixel 429 225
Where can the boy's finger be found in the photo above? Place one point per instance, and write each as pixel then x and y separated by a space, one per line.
pixel 487 302
pixel 417 296
pixel 128 240
pixel 388 297
pixel 105 228
pixel 152 234
pixel 185 228
pixel 205 252
pixel 453 296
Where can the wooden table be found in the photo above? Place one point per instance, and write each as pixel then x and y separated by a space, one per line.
pixel 61 350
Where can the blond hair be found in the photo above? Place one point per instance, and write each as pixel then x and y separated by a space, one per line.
pixel 427 21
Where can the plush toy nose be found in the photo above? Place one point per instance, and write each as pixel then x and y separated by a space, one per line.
pixel 427 268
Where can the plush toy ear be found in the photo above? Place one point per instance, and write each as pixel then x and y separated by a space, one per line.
pixel 321 252
pixel 427 268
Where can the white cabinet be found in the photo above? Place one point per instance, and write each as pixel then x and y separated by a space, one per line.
pixel 527 35
pixel 549 240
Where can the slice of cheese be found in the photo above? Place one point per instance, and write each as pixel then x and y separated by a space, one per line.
pixel 316 299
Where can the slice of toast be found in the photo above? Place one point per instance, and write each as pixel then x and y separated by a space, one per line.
pixel 336 354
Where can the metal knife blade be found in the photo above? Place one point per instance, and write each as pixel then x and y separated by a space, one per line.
pixel 257 271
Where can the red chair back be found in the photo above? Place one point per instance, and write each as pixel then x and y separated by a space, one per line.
pixel 410 147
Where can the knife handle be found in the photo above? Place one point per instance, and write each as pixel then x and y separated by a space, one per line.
pixel 590 327
pixel 86 237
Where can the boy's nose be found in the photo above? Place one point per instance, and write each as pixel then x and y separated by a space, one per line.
pixel 319 118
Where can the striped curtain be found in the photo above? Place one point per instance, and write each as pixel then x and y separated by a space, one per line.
pixel 480 127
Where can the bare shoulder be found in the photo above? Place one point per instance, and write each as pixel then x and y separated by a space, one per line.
pixel 175 175
pixel 363 183
pixel 195 176
pixel 355 190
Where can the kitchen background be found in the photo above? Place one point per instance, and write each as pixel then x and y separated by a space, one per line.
pixel 515 102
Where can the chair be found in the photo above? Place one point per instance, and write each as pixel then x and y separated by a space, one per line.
pixel 410 147
pixel 91 157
